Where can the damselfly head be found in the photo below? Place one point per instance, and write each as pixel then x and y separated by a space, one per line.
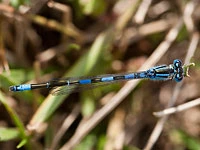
pixel 181 71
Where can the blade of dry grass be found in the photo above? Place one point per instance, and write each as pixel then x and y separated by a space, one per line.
pixel 66 124
pixel 3 60
pixel 142 11
pixel 125 17
pixel 133 34
pixel 178 108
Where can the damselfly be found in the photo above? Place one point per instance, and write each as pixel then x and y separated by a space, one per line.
pixel 175 71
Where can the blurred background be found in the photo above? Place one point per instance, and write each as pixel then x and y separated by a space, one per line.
pixel 45 40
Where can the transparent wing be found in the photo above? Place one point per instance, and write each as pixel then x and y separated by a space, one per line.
pixel 76 88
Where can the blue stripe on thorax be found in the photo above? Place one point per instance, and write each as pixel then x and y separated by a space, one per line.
pixel 162 75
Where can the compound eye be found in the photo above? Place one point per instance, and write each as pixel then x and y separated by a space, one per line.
pixel 178 77
pixel 177 63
